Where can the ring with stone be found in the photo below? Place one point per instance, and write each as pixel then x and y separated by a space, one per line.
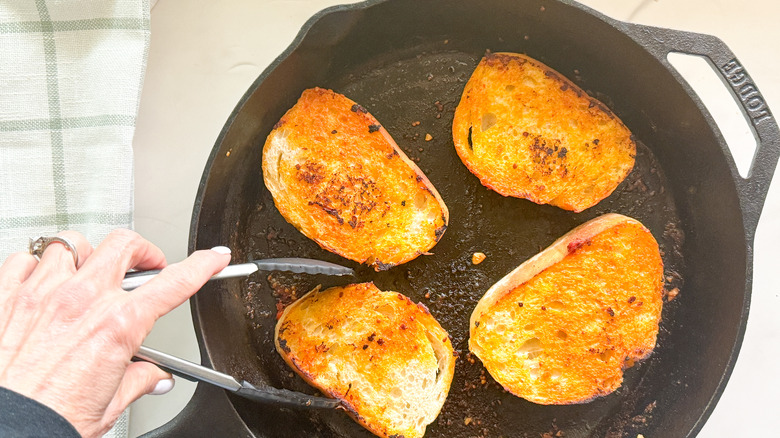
pixel 39 245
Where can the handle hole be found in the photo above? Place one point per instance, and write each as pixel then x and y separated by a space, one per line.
pixel 716 96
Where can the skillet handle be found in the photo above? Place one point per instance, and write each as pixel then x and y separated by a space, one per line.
pixel 208 414
pixel 753 189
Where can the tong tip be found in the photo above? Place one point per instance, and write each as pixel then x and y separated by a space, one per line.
pixel 301 265
pixel 285 397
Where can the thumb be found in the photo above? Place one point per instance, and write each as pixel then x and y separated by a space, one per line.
pixel 140 378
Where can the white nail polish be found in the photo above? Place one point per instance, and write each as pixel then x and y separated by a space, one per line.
pixel 221 250
pixel 163 386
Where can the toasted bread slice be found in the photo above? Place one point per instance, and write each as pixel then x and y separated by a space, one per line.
pixel 526 131
pixel 339 178
pixel 386 358
pixel 561 327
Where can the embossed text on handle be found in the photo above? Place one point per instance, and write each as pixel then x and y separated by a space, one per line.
pixel 743 85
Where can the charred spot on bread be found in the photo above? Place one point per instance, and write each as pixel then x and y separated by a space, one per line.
pixel 351 409
pixel 553 74
pixel 283 345
pixel 576 244
pixel 310 172
pixel 382 266
pixel 595 103
pixel 502 59
pixel 330 210
pixel 373 128
pixel 440 232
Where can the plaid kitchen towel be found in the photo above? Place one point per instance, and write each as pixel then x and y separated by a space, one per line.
pixel 70 81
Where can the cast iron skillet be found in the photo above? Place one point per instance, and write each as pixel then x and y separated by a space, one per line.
pixel 407 61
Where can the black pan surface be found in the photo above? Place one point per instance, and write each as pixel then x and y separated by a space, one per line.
pixel 408 62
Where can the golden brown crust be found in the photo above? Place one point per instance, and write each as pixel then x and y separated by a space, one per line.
pixel 561 327
pixel 385 357
pixel 527 131
pixel 337 176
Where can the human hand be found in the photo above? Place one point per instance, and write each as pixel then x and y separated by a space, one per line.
pixel 67 333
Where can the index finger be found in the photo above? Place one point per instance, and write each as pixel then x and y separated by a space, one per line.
pixel 177 283
pixel 121 251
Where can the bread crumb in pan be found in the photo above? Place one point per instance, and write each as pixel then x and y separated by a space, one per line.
pixel 477 258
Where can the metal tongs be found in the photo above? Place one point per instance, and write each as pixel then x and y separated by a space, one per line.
pixel 198 373
pixel 307 266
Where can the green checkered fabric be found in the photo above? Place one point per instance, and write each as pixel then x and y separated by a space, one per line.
pixel 70 81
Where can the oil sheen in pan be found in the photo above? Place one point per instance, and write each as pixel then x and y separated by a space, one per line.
pixel 425 87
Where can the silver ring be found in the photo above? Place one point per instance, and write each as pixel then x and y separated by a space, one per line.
pixel 39 245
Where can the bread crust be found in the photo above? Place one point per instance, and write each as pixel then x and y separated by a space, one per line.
pixel 387 359
pixel 339 177
pixel 527 131
pixel 562 326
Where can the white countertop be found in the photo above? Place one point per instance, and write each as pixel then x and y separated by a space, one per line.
pixel 205 54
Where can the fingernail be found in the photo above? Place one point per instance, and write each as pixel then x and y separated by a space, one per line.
pixel 221 250
pixel 163 386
